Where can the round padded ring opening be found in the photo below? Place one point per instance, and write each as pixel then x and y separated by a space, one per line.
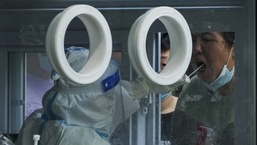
pixel 99 38
pixel 180 40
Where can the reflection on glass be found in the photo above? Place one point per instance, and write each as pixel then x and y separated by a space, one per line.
pixel 204 113
pixel 38 81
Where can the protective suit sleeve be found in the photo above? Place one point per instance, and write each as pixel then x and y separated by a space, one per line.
pixel 140 87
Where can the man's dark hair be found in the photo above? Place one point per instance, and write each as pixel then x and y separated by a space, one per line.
pixel 165 42
pixel 229 38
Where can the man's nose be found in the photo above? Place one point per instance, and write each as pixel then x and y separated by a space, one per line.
pixel 197 46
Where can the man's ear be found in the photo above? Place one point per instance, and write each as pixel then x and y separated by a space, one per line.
pixel 233 52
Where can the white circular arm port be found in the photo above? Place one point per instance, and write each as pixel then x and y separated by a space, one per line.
pixel 180 40
pixel 99 38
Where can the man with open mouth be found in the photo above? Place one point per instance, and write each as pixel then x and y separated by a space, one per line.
pixel 204 114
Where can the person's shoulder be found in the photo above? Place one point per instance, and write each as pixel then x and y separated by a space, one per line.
pixel 194 83
pixel 195 79
pixel 194 88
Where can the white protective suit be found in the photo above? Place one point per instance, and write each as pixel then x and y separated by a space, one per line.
pixel 75 114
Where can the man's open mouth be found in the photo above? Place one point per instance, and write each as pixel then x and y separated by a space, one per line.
pixel 202 65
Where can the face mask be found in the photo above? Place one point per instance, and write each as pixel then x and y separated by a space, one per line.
pixel 164 96
pixel 224 77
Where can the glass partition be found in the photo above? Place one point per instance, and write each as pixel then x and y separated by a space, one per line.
pixel 25 73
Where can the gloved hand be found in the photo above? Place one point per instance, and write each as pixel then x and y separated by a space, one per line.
pixel 139 87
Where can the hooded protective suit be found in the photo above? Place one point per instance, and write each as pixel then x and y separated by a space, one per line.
pixel 85 114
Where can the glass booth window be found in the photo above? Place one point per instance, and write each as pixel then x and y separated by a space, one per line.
pixel 202 112
pixel 38 81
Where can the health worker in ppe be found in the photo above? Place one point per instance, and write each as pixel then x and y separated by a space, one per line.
pixel 85 114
